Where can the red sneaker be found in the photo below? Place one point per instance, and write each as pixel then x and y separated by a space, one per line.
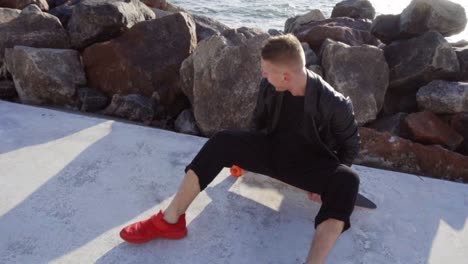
pixel 154 227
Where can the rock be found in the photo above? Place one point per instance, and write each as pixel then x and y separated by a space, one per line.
pixel 317 69
pixel 462 55
pixel 46 76
pixel 95 21
pixel 159 4
pixel 92 100
pixel 354 71
pixel 358 9
pixel 174 9
pixel 186 123
pixel 8 14
pixel 415 62
pixel 347 30
pixel 33 28
pixel 387 28
pixel 392 124
pixel 134 107
pixel 459 122
pixel 161 13
pixel 274 32
pixel 145 59
pixel 293 23
pixel 460 44
pixel 64 11
pixel 21 4
pixel 382 150
pixel 427 128
pixel 7 89
pixel 311 57
pixel 207 27
pixel 446 17
pixel 396 101
pixel 443 97
pixel 222 72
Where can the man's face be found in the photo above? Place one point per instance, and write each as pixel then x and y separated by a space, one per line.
pixel 275 75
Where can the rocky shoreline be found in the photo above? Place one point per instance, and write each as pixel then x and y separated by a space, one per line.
pixel 153 62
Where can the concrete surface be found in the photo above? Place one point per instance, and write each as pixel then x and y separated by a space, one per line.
pixel 69 183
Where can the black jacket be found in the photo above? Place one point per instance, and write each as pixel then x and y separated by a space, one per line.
pixel 327 113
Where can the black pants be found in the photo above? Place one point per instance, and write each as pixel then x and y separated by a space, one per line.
pixel 338 185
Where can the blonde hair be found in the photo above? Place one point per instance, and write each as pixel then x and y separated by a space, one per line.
pixel 284 49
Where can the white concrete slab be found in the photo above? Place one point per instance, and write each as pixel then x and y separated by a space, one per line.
pixel 69 183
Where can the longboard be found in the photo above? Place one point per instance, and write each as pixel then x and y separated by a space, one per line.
pixel 361 200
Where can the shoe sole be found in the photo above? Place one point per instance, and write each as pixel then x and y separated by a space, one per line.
pixel 172 236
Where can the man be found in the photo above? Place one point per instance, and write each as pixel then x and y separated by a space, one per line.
pixel 303 133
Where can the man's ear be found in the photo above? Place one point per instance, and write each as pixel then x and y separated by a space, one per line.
pixel 286 76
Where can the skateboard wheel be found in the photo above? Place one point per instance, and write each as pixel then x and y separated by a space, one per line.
pixel 236 171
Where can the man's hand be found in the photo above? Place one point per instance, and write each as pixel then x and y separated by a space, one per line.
pixel 315 197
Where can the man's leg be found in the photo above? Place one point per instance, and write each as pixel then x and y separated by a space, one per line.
pixel 325 237
pixel 188 190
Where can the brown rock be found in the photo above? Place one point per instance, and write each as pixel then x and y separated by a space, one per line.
pixel 160 4
pixel 426 127
pixel 459 122
pixel 8 14
pixel 347 30
pixel 382 150
pixel 143 60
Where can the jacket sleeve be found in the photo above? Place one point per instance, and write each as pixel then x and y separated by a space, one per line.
pixel 259 117
pixel 344 128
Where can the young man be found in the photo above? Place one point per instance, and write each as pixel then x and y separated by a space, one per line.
pixel 303 133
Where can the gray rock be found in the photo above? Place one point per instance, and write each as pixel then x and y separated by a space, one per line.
pixel 221 75
pixel 7 89
pixel 355 71
pixel 446 17
pixel 344 29
pixel 33 28
pixel 92 100
pixel 207 27
pixel 46 76
pixel 317 69
pixel 185 123
pixel 443 97
pixel 64 12
pixel 134 107
pixel 8 14
pixel 293 23
pixel 387 28
pixel 359 9
pixel 311 57
pixel 462 55
pixel 21 4
pixel 161 13
pixel 392 124
pixel 415 62
pixel 100 20
pixel 275 32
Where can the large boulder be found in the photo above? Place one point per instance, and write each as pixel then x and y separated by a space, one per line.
pixel 462 54
pixel 359 9
pixel 46 76
pixel 293 23
pixel 33 28
pixel 382 150
pixel 20 4
pixel 144 60
pixel 207 27
pixel 425 127
pixel 8 14
pixel 344 29
pixel 443 97
pixel 100 20
pixel 134 107
pixel 446 17
pixel 223 73
pixel 387 28
pixel 415 62
pixel 354 71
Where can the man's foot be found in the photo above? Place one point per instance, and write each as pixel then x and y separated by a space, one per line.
pixel 152 228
